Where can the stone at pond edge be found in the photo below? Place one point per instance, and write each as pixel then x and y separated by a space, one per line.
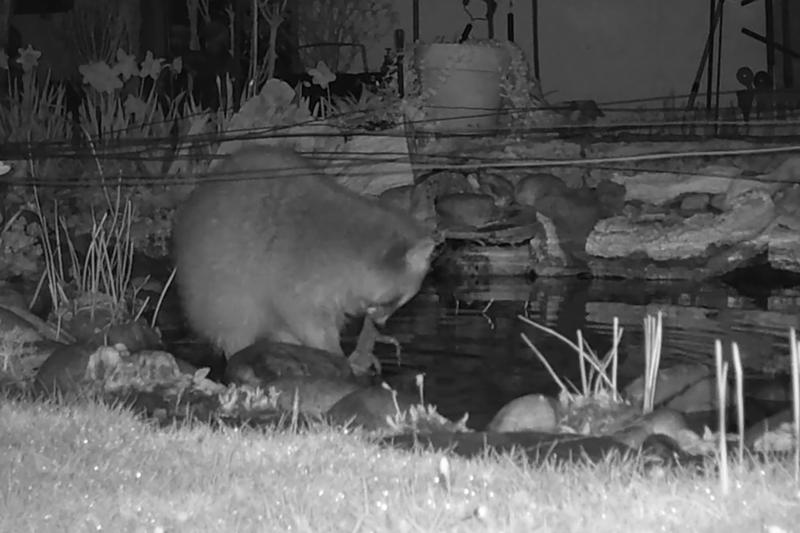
pixel 71 370
pixel 532 412
pixel 667 422
pixel 398 197
pixel 11 317
pixel 533 188
pixel 543 447
pixel 265 361
pixel 64 371
pixel 369 407
pixel 694 203
pixel 88 324
pixel 687 388
pixel 315 395
pixel 10 297
pixel 466 209
pixel 135 335
pixel 758 435
pixel 495 185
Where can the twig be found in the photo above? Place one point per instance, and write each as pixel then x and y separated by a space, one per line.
pixel 547 366
pixel 161 297
pixel 795 354
pixel 582 365
pixel 591 360
pixel 739 377
pixel 652 359
pixel 722 382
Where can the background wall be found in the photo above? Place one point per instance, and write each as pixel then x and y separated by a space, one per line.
pixel 608 50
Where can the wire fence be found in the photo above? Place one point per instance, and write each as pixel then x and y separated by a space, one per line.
pixel 635 119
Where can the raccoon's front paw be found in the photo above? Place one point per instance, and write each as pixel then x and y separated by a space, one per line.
pixel 361 362
pixel 388 339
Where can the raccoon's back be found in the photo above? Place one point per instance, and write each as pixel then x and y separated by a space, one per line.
pixel 284 199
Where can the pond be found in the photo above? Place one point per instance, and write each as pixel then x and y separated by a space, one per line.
pixel 466 339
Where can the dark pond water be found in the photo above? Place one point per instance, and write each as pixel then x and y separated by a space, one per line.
pixel 466 338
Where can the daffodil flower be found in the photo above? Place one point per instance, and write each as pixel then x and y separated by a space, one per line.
pixel 126 65
pixel 135 106
pixel 28 58
pixel 322 75
pixel 177 65
pixel 100 76
pixel 151 66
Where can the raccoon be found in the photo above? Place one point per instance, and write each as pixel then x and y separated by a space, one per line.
pixel 267 247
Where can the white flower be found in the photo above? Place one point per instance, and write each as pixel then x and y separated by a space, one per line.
pixel 177 65
pixel 28 58
pixel 322 75
pixel 100 76
pixel 151 66
pixel 126 65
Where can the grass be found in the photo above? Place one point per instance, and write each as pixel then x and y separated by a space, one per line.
pixel 87 467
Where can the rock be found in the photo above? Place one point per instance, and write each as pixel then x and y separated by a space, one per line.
pixel 562 149
pixel 573 215
pixel 718 201
pixel 499 188
pixel 533 412
pixel 24 358
pixel 545 449
pixel 475 261
pixel 765 435
pixel 115 369
pixel 783 250
pixel 34 328
pixel 687 388
pixel 369 407
pixel 442 182
pixel 134 335
pixel 663 421
pixel 12 324
pixel 611 196
pixel 398 197
pixel 77 369
pixel 10 297
pixel 430 187
pixel 466 209
pixel 272 107
pixel 663 238
pixel 63 372
pixel 89 321
pixel 547 256
pixel 660 188
pixel 344 151
pixel 315 395
pixel 200 354
pixel 788 171
pixel 372 175
pixel 775 391
pixel 693 203
pixel 265 361
pixel 535 187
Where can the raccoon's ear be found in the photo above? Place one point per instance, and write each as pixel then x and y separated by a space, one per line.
pixel 418 256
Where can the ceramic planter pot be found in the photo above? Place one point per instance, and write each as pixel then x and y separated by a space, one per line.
pixel 461 85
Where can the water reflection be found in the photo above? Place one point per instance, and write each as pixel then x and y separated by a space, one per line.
pixel 466 338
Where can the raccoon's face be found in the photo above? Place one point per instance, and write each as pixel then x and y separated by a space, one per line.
pixel 403 272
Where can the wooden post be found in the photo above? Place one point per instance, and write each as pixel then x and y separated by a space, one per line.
pixel 154 34
pixel 6 10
